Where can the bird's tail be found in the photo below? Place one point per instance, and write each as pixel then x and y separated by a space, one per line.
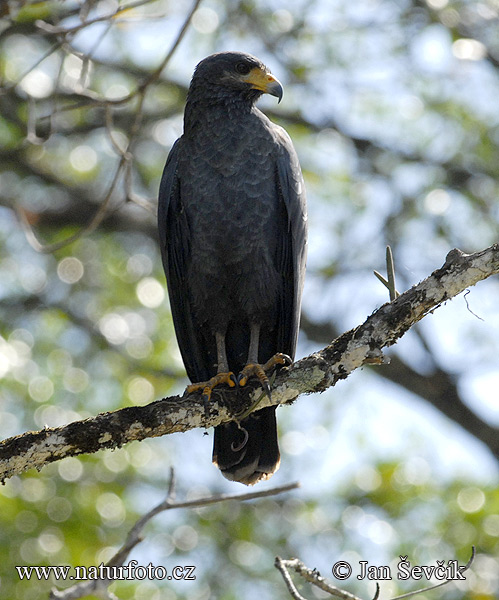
pixel 248 452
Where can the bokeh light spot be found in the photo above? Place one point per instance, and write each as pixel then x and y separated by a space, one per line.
pixel 26 521
pixel 140 391
pixel 75 380
pixel 491 525
pixel 70 269
pixel 70 469
pixel 468 49
pixel 185 538
pixel 471 499
pixel 282 20
pixel 83 158
pixel 150 292
pixel 245 553
pixel 40 388
pixel 205 20
pixel 59 509
pixel 293 442
pixel 114 328
pixel 111 508
pixel 437 202
pixel 37 84
pixel 50 541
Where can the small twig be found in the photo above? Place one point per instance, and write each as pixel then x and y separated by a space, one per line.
pixel 312 576
pixel 45 55
pixel 53 100
pixel 95 587
pixel 97 219
pixel 88 56
pixel 157 72
pixel 125 154
pixel 441 584
pixel 110 132
pixel 171 485
pixel 135 534
pixel 147 204
pixel 315 578
pixel 48 28
pixel 390 271
pixel 31 135
pixel 134 537
pixel 96 100
pixel 281 565
pixel 468 306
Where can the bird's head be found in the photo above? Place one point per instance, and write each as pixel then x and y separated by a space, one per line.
pixel 235 73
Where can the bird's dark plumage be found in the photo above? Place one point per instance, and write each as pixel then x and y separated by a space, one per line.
pixel 232 223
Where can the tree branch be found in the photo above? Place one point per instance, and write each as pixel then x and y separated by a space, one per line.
pixel 315 578
pixel 134 536
pixel 312 576
pixel 438 388
pixel 126 156
pixel 315 373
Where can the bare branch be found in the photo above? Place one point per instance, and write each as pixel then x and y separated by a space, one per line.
pixel 437 387
pixel 434 587
pixel 315 578
pixel 134 537
pixel 315 373
pixel 126 156
pixel 156 74
pixel 96 220
pixel 312 576
pixel 282 565
pixel 390 272
pixel 48 28
pixel 30 69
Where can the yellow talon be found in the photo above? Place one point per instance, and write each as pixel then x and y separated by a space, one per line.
pixel 207 386
pixel 260 371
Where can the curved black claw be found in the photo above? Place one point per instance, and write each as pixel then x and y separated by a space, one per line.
pixel 278 359
pixel 266 388
pixel 258 371
pixel 206 402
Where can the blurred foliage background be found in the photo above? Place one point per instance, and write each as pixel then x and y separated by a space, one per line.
pixel 392 106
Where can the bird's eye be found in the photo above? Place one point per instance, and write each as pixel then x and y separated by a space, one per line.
pixel 243 68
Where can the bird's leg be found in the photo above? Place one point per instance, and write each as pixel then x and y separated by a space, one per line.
pixel 253 367
pixel 223 374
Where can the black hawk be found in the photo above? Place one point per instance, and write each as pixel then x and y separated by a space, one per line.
pixel 233 226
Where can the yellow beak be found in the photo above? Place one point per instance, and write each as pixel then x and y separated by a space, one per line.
pixel 265 82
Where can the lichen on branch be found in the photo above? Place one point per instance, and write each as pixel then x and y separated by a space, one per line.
pixel 315 373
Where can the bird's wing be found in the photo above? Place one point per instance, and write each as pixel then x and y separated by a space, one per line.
pixel 292 243
pixel 175 248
